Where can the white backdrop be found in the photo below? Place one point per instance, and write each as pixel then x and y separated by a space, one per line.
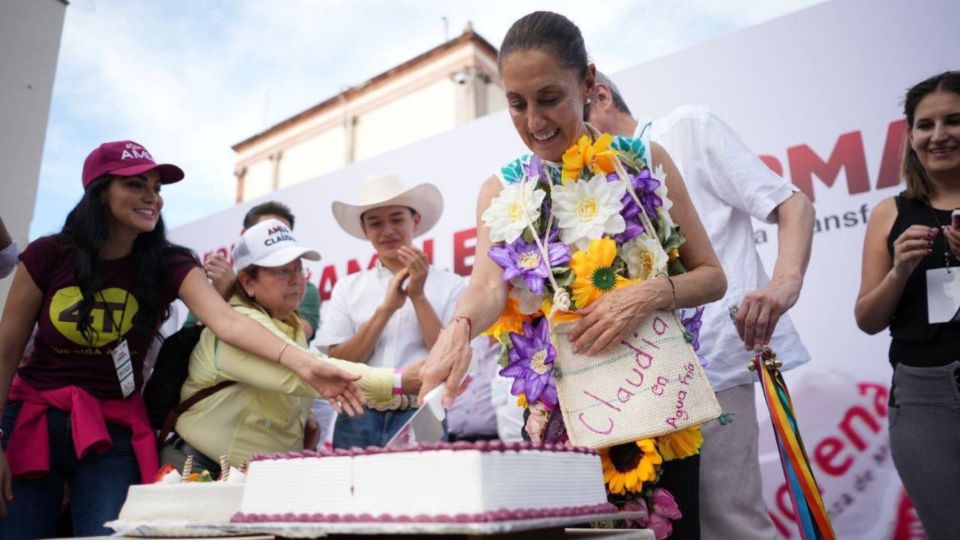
pixel 816 94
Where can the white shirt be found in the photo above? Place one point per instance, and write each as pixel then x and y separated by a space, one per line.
pixel 8 259
pixel 355 298
pixel 728 185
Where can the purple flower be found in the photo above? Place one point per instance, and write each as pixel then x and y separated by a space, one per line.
pixel 664 504
pixel 531 364
pixel 644 185
pixel 638 505
pixel 692 324
pixel 661 526
pixel 534 169
pixel 633 230
pixel 523 259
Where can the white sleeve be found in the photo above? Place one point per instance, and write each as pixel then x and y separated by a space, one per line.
pixel 8 259
pixel 740 178
pixel 337 325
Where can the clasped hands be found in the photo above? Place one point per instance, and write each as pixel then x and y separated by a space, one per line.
pixel 409 281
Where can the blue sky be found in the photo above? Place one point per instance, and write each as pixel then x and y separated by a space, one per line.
pixel 189 78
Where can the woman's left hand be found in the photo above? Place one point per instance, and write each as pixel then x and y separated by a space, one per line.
pixel 953 239
pixel 608 320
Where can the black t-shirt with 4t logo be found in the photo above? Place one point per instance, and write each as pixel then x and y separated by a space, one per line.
pixel 61 355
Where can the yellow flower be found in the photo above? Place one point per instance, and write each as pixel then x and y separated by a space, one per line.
pixel 593 272
pixel 674 254
pixel 681 444
pixel 522 401
pixel 598 157
pixel 627 466
pixel 511 320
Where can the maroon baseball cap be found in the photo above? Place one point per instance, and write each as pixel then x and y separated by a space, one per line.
pixel 125 158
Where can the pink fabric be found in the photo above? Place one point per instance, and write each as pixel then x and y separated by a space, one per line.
pixel 29 449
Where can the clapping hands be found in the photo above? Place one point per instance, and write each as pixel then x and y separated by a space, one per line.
pixel 409 281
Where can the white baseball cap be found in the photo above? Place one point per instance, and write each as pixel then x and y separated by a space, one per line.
pixel 269 243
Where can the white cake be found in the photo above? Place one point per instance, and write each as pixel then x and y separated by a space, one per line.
pixel 442 482
pixel 170 504
pixel 186 503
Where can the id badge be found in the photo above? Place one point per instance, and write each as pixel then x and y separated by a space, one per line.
pixel 124 367
pixel 943 294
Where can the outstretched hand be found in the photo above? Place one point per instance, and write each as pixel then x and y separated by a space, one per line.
pixel 333 384
pixel 449 361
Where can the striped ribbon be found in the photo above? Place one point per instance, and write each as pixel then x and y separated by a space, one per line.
pixel 812 518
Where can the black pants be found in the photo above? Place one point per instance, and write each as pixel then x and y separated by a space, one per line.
pixel 681 477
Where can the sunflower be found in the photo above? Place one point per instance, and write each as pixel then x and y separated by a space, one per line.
pixel 594 273
pixel 680 444
pixel 511 320
pixel 627 466
pixel 596 156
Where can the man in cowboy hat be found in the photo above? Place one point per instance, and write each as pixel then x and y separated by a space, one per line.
pixel 389 315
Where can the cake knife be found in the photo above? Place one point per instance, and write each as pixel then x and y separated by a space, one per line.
pixel 426 424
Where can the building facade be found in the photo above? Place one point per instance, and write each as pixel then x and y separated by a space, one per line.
pixel 444 87
pixel 30 34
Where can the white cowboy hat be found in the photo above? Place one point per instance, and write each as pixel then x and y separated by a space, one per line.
pixel 387 190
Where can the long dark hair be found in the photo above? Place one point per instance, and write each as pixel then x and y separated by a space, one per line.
pixel 918 184
pixel 87 228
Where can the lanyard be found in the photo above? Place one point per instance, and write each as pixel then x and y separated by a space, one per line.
pixel 123 313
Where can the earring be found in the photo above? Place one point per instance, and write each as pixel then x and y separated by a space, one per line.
pixel 589 101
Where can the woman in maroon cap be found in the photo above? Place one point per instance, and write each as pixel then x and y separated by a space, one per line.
pixel 97 292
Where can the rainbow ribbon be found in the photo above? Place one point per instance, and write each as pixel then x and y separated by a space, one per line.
pixel 812 518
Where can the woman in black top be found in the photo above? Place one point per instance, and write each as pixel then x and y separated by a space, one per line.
pixel 911 270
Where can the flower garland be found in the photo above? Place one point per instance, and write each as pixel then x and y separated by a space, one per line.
pixel 565 235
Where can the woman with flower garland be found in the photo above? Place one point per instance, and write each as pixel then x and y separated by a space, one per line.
pixel 97 292
pixel 595 257
pixel 909 281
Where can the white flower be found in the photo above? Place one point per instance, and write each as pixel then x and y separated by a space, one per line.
pixel 588 209
pixel 661 191
pixel 645 258
pixel 517 205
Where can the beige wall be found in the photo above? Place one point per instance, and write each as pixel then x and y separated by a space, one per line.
pixel 29 43
pixel 407 108
pixel 312 157
pixel 407 119
pixel 496 100
pixel 258 179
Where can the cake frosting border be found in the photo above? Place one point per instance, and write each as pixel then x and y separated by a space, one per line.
pixel 481 446
pixel 485 517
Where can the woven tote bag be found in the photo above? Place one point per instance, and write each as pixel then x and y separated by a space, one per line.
pixel 649 385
